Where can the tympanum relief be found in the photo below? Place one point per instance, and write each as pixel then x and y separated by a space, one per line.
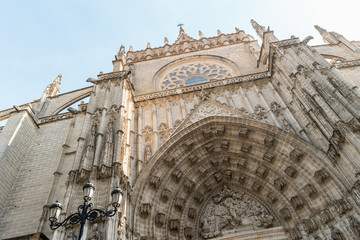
pixel 230 211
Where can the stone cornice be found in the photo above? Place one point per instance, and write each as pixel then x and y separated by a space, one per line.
pixel 348 64
pixel 175 91
pixel 188 46
pixel 56 117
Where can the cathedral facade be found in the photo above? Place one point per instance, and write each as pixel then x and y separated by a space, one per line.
pixel 210 138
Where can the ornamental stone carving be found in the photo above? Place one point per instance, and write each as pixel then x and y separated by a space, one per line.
pixel 165 194
pixel 243 132
pixel 310 226
pixel 174 225
pixel 269 157
pixel 192 213
pixel 296 155
pixel 290 171
pixel 326 216
pixel 321 175
pixel 246 148
pixel 228 210
pixel 269 141
pixel 336 234
pixel 355 226
pixel 145 209
pixel 160 219
pixel 342 205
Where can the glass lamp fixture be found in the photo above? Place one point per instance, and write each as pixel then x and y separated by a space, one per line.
pixel 55 210
pixel 88 190
pixel 116 196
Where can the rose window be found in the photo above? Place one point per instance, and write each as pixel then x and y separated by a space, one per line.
pixel 192 74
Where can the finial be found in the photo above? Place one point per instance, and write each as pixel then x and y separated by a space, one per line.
pixel 237 29
pixel 148 45
pixel 258 28
pixel 131 48
pixel 166 41
pixel 201 35
pixel 121 54
pixel 180 25
pixel 219 32
pixel 320 30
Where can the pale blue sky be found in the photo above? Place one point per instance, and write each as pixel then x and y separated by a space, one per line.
pixel 78 38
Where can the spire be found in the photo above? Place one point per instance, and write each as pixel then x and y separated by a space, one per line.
pixel 219 32
pixel 121 54
pixel 183 37
pixel 328 37
pixel 53 88
pixel 258 28
pixel 166 41
pixel 148 45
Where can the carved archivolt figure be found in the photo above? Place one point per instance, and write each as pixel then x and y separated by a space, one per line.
pixel 355 226
pixel 95 234
pixel 336 234
pixel 228 210
pixel 71 236
pixel 147 153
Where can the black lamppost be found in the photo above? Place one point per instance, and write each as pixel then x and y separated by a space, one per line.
pixel 85 211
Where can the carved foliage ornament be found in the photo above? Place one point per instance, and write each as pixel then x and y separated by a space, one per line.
pixel 228 210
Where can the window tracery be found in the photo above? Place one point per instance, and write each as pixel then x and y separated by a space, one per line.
pixel 195 73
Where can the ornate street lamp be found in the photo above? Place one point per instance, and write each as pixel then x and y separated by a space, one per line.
pixel 85 211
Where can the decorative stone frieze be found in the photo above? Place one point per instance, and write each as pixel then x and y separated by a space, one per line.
pixel 236 208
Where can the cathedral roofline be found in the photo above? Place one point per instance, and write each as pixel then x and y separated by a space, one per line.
pixel 185 44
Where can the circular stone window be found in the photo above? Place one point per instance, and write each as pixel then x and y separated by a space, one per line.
pixel 197 71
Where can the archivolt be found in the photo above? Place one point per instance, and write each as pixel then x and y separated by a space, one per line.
pixel 290 177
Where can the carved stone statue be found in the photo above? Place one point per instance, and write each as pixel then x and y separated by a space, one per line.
pixel 228 210
pixel 71 236
pixel 147 153
pixel 95 234
pixel 355 225
pixel 108 151
pixel 336 234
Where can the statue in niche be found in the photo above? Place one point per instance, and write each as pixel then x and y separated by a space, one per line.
pixel 95 234
pixel 229 210
pixel 108 151
pixel 147 153
pixel 71 236
pixel 336 234
pixel 355 226
pixel 89 154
